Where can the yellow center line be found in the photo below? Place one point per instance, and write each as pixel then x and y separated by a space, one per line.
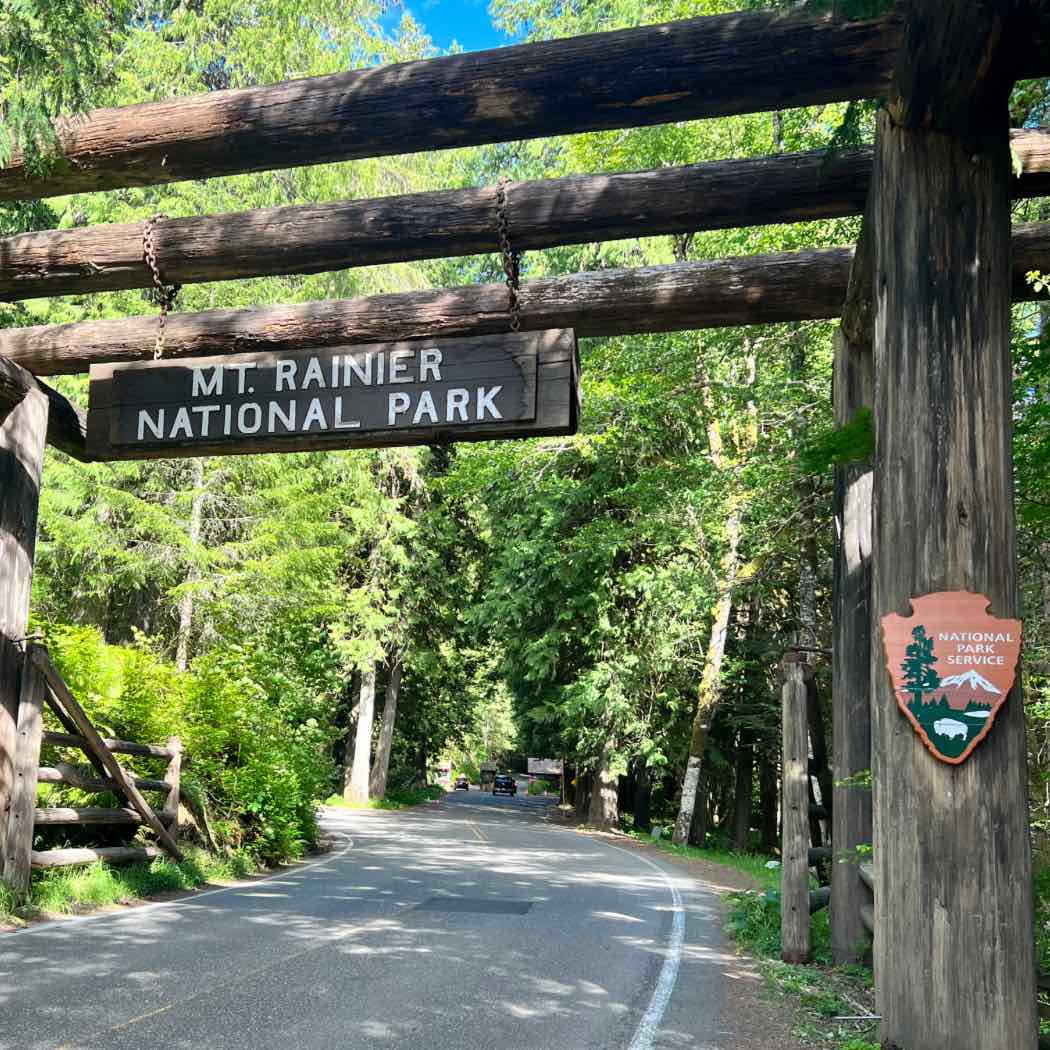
pixel 477 831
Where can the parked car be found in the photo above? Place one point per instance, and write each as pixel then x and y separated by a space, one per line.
pixel 504 785
pixel 461 782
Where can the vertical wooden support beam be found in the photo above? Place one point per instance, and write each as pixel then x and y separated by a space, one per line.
pixel 173 777
pixel 22 433
pixel 794 851
pixel 953 904
pixel 19 845
pixel 851 658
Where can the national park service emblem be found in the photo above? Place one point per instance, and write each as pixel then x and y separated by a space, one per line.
pixel 952 665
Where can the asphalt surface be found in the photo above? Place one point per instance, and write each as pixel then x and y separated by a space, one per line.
pixel 472 924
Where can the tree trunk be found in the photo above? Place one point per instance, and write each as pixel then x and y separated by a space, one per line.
pixel 182 648
pixel 953 901
pixel 742 801
pixel 605 809
pixel 643 794
pixel 710 692
pixel 380 767
pixel 22 435
pixel 357 790
pixel 583 794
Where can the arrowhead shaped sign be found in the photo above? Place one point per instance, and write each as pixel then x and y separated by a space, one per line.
pixel 952 665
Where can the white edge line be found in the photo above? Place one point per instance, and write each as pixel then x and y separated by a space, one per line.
pixel 645 1033
pixel 191 898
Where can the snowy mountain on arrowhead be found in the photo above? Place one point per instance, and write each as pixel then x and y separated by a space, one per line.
pixel 970 678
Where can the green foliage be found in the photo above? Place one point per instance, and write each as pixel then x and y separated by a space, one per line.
pixel 55 55
pixel 395 798
pixel 64 890
pixel 852 443
pixel 538 787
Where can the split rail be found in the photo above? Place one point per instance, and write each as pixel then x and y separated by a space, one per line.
pixel 43 686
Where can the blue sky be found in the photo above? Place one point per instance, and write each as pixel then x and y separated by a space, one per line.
pixel 465 21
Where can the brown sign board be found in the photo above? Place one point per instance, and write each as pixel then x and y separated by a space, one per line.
pixel 415 392
pixel 952 665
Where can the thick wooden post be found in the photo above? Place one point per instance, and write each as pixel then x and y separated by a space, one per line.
pixel 851 660
pixel 953 903
pixel 19 845
pixel 22 433
pixel 173 778
pixel 794 852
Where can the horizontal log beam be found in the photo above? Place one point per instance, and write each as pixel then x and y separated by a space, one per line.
pixel 66 774
pixel 755 289
pixel 124 747
pixel 867 875
pixel 88 815
pixel 64 858
pixel 703 67
pixel 794 187
pixel 66 424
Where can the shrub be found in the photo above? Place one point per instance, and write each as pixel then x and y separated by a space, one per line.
pixel 539 787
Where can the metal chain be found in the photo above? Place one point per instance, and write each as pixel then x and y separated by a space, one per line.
pixel 163 295
pixel 511 258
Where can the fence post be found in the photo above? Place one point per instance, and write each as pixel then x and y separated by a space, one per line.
pixel 19 843
pixel 794 850
pixel 22 432
pixel 172 777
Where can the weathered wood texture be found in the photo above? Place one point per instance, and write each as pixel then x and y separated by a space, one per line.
pixel 853 391
pixel 91 815
pixel 702 67
pixel 22 433
pixel 172 777
pixel 794 852
pixel 121 747
pixel 953 907
pixel 66 425
pixel 64 773
pixel 64 858
pixel 63 698
pixel 545 213
pixel 19 846
pixel 533 379
pixel 758 289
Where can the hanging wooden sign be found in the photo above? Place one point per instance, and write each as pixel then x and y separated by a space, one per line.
pixel 952 665
pixel 408 393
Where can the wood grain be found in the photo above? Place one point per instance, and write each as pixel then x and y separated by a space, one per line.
pixel 794 853
pixel 17 863
pixel 545 213
pixel 64 773
pixel 64 858
pixel 123 747
pixel 853 391
pixel 22 434
pixel 63 698
pixel 702 67
pixel 953 907
pixel 754 289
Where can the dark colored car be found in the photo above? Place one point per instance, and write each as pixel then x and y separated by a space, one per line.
pixel 504 785
pixel 461 782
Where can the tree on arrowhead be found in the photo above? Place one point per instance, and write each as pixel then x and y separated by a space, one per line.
pixel 919 674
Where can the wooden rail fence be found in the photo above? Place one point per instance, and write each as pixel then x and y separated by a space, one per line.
pixel 43 685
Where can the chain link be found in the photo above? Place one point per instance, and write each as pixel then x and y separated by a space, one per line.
pixel 511 258
pixel 161 294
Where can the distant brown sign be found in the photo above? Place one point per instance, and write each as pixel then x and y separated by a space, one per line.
pixel 406 393
pixel 952 665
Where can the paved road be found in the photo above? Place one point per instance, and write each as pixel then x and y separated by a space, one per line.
pixel 467 925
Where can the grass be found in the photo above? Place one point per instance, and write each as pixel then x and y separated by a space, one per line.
pixel 399 798
pixel 753 864
pixel 63 891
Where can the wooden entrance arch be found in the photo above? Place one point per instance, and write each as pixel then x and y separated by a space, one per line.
pixel 924 342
